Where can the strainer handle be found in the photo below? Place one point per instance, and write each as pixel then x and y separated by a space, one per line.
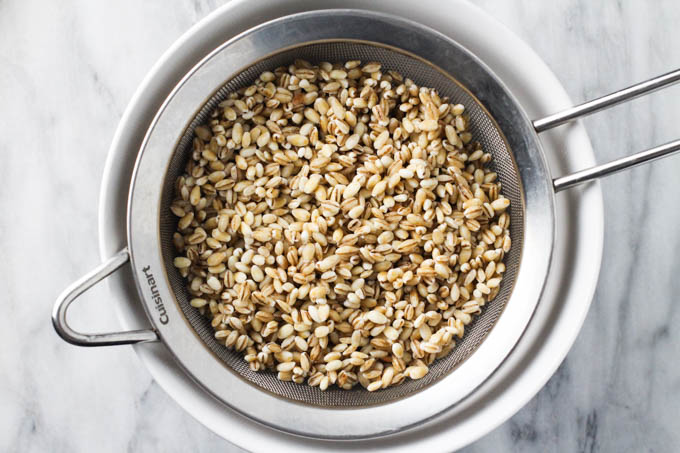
pixel 610 100
pixel 79 287
pixel 602 103
pixel 615 166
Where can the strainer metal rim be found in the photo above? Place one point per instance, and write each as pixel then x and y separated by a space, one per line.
pixel 180 338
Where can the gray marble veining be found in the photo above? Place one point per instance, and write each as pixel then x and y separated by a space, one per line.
pixel 68 70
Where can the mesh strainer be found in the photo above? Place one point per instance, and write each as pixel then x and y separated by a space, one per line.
pixel 497 121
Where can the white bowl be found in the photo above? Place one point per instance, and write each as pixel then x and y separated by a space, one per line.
pixel 576 259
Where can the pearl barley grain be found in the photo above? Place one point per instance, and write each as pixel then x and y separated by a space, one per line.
pixel 338 224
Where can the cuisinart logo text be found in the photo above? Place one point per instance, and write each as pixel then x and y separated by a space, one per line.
pixel 163 318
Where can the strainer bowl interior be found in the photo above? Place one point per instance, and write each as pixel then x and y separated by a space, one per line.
pixel 484 129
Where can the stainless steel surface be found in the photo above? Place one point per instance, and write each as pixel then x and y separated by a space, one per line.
pixel 609 100
pixel 79 287
pixel 615 166
pixel 498 122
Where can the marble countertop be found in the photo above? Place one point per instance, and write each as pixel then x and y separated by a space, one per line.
pixel 68 70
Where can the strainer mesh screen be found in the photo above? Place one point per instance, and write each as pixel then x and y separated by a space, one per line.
pixel 483 129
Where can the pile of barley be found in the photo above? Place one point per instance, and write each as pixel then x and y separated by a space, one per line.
pixel 338 224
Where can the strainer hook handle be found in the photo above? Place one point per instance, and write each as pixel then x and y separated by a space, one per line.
pixel 79 287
